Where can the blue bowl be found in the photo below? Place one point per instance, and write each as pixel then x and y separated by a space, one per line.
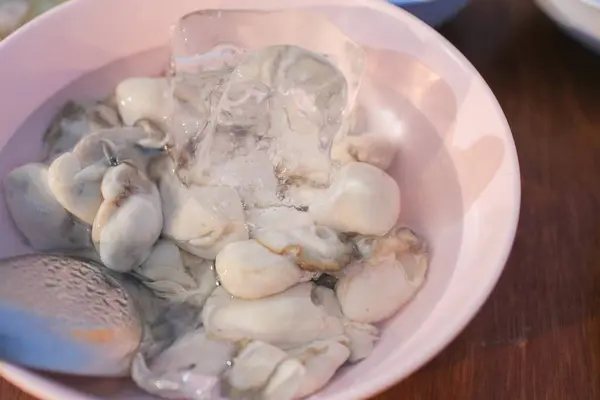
pixel 433 12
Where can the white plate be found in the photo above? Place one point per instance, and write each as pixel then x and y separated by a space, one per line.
pixel 578 18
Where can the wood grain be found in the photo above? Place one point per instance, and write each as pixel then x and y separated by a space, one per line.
pixel 538 337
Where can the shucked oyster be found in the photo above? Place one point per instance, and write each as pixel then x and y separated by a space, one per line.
pixel 249 270
pixel 129 220
pixel 177 276
pixel 76 186
pixel 361 338
pixel 276 219
pixel 73 122
pixel 253 366
pixel 392 272
pixel 136 145
pixel 196 348
pixel 285 381
pixel 203 273
pixel 362 199
pixel 144 99
pixel 302 195
pixel 190 368
pixel 38 215
pixel 75 177
pixel 314 248
pixel 377 150
pixel 259 368
pixel 321 360
pixel 164 272
pixel 273 319
pixel 201 220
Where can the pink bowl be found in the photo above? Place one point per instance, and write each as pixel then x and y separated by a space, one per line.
pixel 458 168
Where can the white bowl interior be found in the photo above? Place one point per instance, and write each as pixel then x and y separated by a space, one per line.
pixel 457 169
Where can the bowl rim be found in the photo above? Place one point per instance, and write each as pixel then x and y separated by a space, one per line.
pixel 578 30
pixel 41 387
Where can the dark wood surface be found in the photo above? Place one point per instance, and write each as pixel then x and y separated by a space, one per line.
pixel 538 337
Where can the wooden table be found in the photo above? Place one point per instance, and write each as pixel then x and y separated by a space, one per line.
pixel 538 337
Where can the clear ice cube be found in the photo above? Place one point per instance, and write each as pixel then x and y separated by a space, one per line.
pixel 289 93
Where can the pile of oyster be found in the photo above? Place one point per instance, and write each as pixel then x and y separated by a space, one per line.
pixel 243 193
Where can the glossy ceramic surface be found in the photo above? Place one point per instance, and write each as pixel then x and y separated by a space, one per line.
pixel 578 18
